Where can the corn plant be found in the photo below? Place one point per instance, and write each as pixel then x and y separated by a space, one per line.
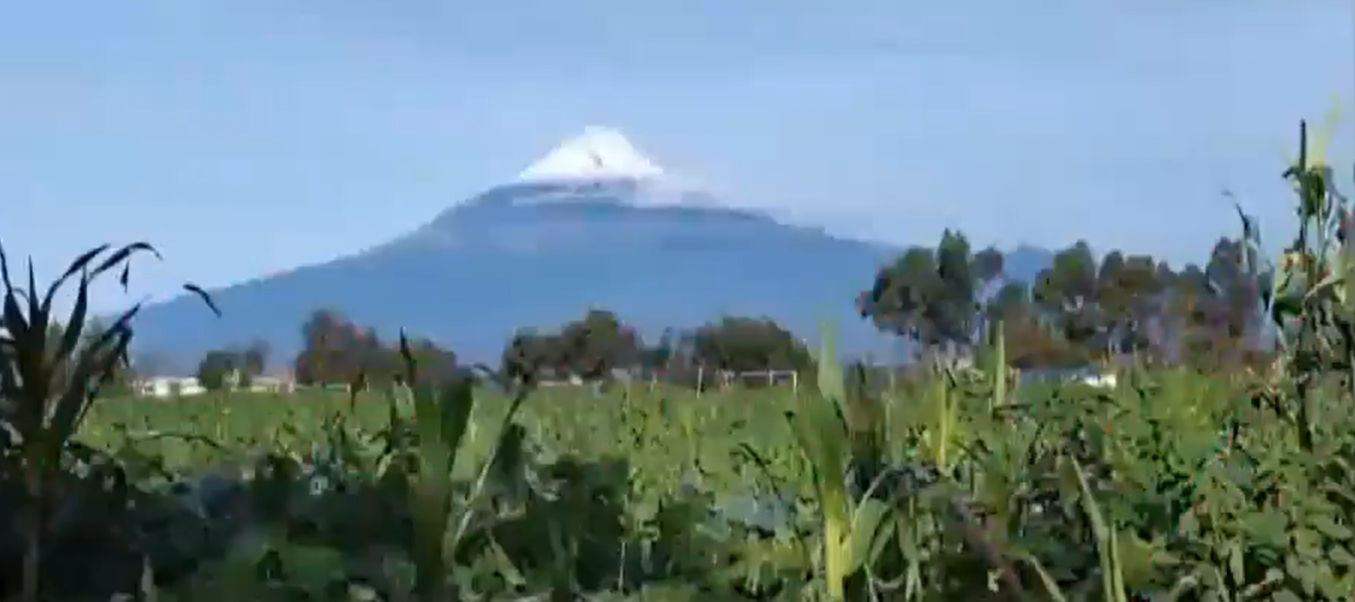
pixel 48 386
pixel 1263 517
pixel 1309 299
pixel 998 373
pixel 849 528
pixel 442 418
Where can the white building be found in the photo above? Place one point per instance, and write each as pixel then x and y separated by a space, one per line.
pixel 169 386
pixel 1100 380
pixel 272 384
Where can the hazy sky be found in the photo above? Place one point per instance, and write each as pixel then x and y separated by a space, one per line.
pixel 249 136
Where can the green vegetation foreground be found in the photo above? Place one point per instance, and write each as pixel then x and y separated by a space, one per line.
pixel 689 494
pixel 958 486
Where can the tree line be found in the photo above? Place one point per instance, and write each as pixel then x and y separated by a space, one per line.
pixel 939 300
pixel 592 347
pixel 599 342
pixel 1079 310
pixel 336 351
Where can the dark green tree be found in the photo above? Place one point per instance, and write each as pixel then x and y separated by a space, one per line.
pixel 952 309
pixel 934 297
pixel 432 362
pixel 589 347
pixel 1066 295
pixel 597 343
pixel 899 299
pixel 326 355
pixel 742 344
pixel 336 351
pixel 1212 312
pixel 1129 295
pixel 217 368
pixel 530 355
pixel 256 357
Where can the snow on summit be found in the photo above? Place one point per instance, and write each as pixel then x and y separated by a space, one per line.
pixel 599 153
pixel 600 164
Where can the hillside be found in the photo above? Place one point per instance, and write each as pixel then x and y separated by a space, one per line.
pixel 593 224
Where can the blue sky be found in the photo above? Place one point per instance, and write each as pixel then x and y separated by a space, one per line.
pixel 245 137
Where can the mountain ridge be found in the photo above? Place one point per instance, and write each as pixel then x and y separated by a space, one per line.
pixel 609 231
pixel 798 276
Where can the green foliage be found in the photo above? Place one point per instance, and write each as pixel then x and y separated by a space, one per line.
pixel 218 369
pixel 955 490
pixel 1079 310
pixel 339 352
pixel 48 383
pixel 746 344
pixel 232 368
pixel 592 347
pixel 588 348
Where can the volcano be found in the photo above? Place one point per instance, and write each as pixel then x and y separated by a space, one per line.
pixel 593 224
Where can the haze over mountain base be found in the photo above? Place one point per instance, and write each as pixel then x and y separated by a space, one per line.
pixel 543 250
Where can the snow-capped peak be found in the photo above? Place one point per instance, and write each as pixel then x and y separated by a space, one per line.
pixel 599 153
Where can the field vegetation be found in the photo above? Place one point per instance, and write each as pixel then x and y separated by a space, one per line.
pixel 1219 468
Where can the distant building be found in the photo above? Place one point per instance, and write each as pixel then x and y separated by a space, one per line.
pixel 168 386
pixel 1103 380
pixel 272 384
pixel 1095 376
pixel 181 386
